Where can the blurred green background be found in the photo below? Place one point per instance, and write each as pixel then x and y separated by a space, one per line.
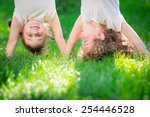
pixel 27 76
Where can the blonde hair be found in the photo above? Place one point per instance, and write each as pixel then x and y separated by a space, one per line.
pixel 36 50
pixel 40 49
pixel 114 42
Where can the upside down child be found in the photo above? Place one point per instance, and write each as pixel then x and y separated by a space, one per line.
pixel 28 23
pixel 96 19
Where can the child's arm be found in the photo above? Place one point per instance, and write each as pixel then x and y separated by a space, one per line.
pixel 13 37
pixel 56 27
pixel 74 35
pixel 134 38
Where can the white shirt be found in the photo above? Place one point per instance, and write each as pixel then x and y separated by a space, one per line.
pixel 34 9
pixel 105 12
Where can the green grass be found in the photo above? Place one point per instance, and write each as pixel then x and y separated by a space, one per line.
pixel 27 76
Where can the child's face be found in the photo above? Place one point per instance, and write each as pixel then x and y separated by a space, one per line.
pixel 34 33
pixel 88 34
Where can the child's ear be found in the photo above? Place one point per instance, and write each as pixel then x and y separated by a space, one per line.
pixel 101 36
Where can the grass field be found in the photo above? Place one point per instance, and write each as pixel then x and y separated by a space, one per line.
pixel 27 76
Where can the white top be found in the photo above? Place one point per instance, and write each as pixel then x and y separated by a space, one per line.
pixel 34 9
pixel 106 12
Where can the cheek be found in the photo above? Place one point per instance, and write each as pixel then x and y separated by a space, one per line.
pixel 87 48
pixel 87 34
pixel 26 30
pixel 26 41
pixel 84 36
pixel 27 26
pixel 102 36
pixel 42 30
pixel 24 35
pixel 90 46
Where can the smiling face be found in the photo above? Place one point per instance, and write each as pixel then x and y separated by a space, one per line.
pixel 34 33
pixel 88 34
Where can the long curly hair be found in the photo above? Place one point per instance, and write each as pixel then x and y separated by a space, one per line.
pixel 114 42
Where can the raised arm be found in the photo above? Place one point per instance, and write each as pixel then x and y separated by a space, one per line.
pixel 13 37
pixel 74 35
pixel 57 30
pixel 134 38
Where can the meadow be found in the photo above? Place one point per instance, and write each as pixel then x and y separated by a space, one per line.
pixel 52 76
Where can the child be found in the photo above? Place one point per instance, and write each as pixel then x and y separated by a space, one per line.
pixel 114 42
pixel 96 17
pixel 28 23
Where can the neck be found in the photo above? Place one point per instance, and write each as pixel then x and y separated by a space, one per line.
pixel 99 26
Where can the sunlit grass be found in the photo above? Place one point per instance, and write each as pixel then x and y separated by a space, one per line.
pixel 28 76
pixel 133 67
pixel 135 76
pixel 46 79
pixel 49 77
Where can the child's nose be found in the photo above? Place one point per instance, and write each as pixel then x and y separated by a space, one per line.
pixel 35 32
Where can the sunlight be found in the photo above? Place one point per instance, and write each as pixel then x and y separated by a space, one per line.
pixel 45 76
pixel 132 67
pixel 61 77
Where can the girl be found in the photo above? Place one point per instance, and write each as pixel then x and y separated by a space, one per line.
pixel 113 42
pixel 28 20
pixel 96 17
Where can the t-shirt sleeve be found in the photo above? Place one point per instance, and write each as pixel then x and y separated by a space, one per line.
pixel 18 16
pixel 115 22
pixel 52 10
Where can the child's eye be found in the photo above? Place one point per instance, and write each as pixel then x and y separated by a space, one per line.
pixel 38 35
pixel 84 42
pixel 30 35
